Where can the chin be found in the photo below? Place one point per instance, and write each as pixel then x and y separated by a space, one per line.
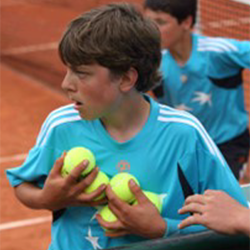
pixel 86 117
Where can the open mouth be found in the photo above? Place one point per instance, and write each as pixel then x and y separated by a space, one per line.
pixel 77 105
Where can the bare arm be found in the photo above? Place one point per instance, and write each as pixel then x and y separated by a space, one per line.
pixel 59 192
pixel 217 211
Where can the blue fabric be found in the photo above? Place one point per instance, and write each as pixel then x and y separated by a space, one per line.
pixel 168 138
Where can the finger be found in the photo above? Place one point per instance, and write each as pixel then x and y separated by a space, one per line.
pixel 210 192
pixel 58 165
pixel 86 181
pixel 191 208
pixel 197 198
pixel 116 234
pixel 75 174
pixel 94 203
pixel 139 195
pixel 119 207
pixel 116 225
pixel 191 220
pixel 90 197
pixel 115 202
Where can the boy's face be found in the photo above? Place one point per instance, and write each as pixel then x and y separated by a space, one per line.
pixel 93 90
pixel 171 31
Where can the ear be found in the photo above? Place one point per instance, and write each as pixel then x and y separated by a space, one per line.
pixel 129 80
pixel 187 23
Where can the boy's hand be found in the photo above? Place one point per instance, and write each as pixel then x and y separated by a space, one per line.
pixel 135 219
pixel 59 192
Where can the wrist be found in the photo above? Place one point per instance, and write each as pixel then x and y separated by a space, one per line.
pixel 243 223
pixel 158 231
pixel 165 233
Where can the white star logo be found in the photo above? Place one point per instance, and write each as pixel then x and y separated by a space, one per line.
pixel 202 98
pixel 183 107
pixel 93 240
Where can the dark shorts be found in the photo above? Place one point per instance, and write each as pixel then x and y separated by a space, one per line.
pixel 236 152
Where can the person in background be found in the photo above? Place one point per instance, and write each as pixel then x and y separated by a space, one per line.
pixel 203 75
pixel 217 211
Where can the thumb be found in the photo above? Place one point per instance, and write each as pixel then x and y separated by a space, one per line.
pixel 136 190
pixel 58 165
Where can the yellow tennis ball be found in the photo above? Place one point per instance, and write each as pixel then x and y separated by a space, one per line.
pixel 120 185
pixel 107 215
pixel 154 198
pixel 100 179
pixel 74 157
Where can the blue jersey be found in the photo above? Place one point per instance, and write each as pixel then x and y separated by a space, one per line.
pixel 209 85
pixel 170 143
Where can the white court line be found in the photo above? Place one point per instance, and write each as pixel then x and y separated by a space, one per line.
pixel 11 3
pixel 54 45
pixel 12 158
pixel 31 48
pixel 23 223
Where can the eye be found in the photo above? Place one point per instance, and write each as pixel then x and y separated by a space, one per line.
pixel 81 74
pixel 160 21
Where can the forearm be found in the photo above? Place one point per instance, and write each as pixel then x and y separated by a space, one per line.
pixel 29 195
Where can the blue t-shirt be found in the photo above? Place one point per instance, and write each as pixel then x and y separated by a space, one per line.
pixel 170 141
pixel 209 85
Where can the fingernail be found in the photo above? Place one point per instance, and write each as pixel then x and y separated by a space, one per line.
pixel 103 187
pixel 85 162
pixel 132 182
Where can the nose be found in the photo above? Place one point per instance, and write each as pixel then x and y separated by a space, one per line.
pixel 68 83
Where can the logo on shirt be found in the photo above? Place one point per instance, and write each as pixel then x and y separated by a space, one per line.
pixel 202 98
pixel 123 166
pixel 184 78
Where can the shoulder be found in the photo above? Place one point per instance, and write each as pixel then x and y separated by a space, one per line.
pixel 65 115
pixel 177 118
pixel 186 127
pixel 217 44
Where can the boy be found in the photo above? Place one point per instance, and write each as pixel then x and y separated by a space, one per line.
pixel 112 55
pixel 203 75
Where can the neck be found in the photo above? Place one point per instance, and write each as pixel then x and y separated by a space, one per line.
pixel 129 119
pixel 182 50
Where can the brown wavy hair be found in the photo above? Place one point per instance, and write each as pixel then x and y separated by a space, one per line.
pixel 118 37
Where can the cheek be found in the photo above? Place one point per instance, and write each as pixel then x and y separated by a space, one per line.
pixel 169 36
pixel 166 33
pixel 101 96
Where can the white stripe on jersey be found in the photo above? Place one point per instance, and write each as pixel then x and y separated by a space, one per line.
pixel 66 107
pixel 210 48
pixel 215 44
pixel 164 51
pixel 194 122
pixel 52 114
pixel 50 119
pixel 64 114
